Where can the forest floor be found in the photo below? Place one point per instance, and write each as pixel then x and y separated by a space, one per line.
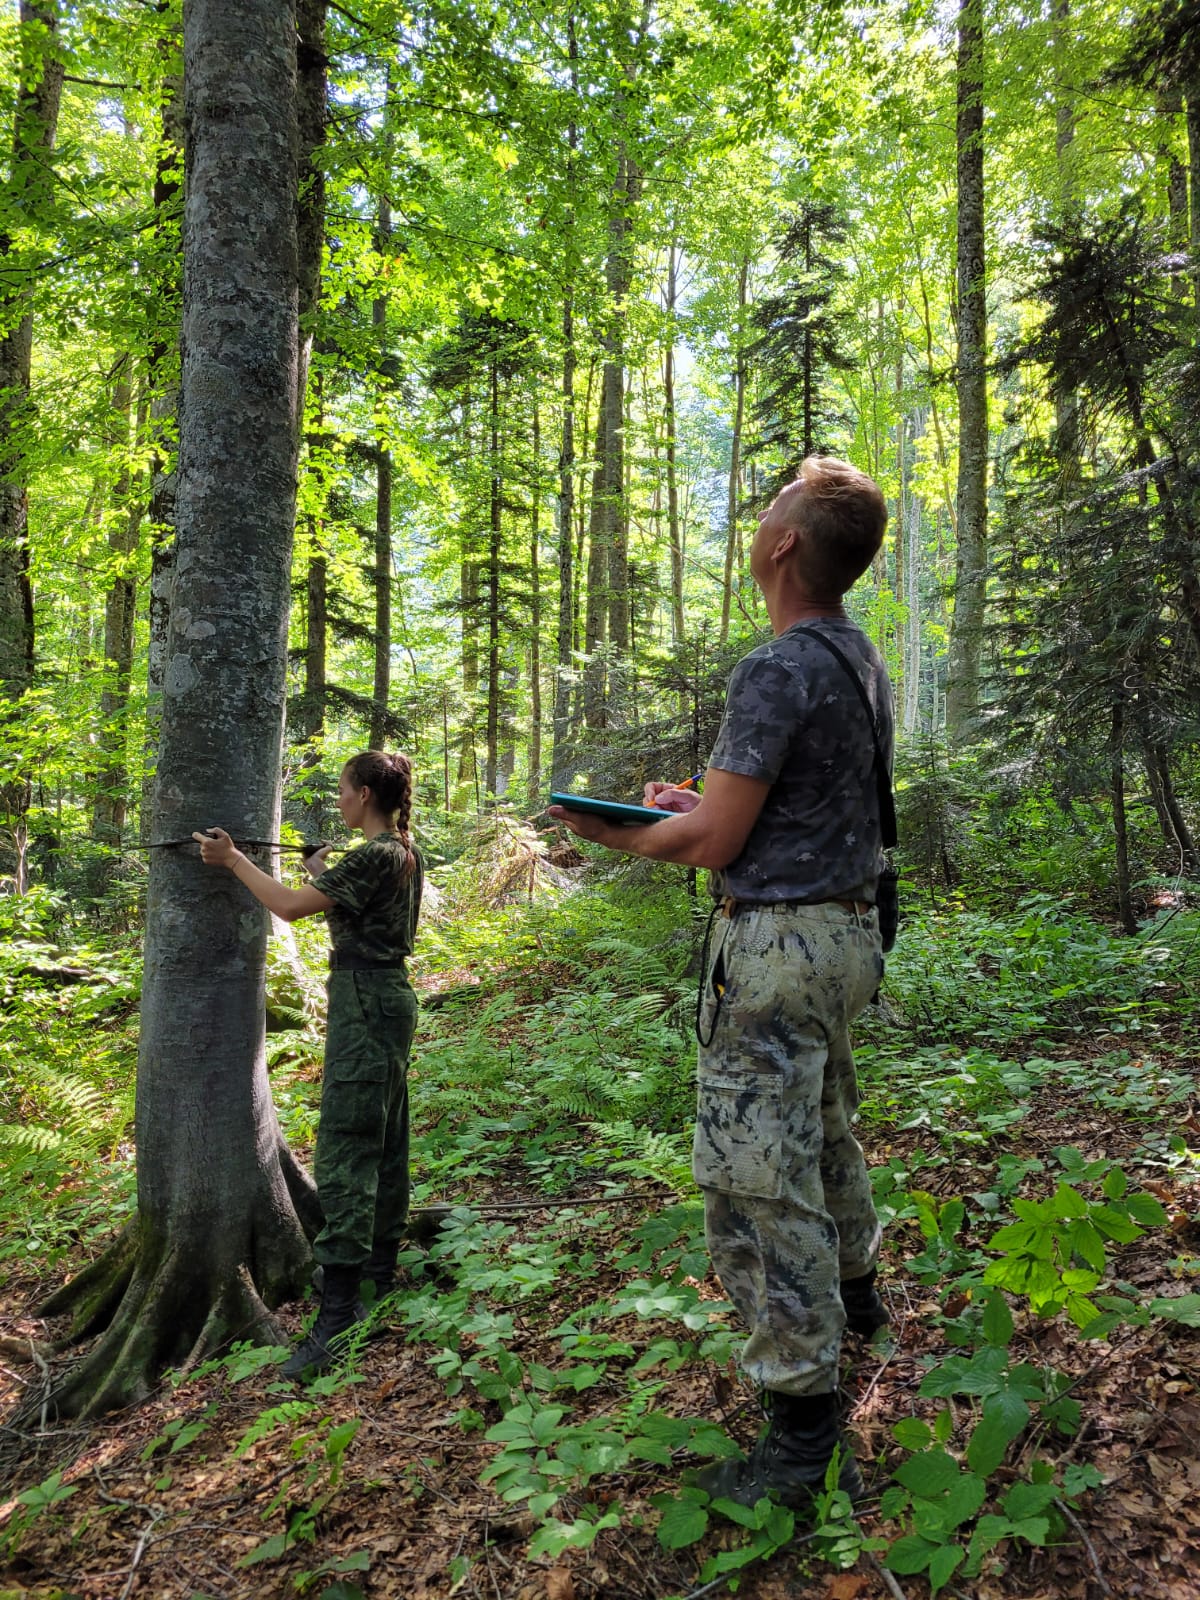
pixel 521 1424
pixel 167 1500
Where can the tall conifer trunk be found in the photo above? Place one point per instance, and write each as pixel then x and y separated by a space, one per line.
pixel 565 653
pixel 970 578
pixel 217 1238
pixel 732 540
pixel 28 188
pixel 124 517
pixel 674 530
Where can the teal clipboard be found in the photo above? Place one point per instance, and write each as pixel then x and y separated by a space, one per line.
pixel 610 810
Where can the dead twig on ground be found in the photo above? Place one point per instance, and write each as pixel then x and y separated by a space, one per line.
pixel 1075 1523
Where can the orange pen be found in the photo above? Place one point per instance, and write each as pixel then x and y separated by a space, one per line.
pixel 688 783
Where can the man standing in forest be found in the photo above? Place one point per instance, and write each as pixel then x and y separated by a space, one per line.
pixel 789 823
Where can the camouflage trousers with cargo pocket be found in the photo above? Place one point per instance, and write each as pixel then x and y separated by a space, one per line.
pixel 361 1163
pixel 787 1196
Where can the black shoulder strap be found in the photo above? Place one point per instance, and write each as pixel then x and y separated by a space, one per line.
pixel 883 778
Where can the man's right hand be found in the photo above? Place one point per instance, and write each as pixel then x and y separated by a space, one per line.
pixel 665 797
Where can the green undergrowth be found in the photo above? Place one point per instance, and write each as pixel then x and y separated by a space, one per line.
pixel 558 1060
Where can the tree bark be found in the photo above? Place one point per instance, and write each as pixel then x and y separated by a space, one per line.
pixel 124 517
pixel 382 682
pixel 970 578
pixel 312 100
pixel 164 406
pixel 565 652
pixel 1120 820
pixel 732 541
pixel 217 1238
pixel 674 531
pixel 29 186
pixel 534 789
pixel 30 182
pixel 495 529
pixel 596 615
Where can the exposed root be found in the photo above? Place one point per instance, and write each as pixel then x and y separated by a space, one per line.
pixel 237 1314
pixel 92 1296
pixel 164 1320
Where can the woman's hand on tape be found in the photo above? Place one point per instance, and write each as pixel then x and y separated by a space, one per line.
pixel 217 849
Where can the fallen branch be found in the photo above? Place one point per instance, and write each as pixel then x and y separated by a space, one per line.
pixel 1070 1517
pixel 889 1582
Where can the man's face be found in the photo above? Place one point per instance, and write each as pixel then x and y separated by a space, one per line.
pixel 773 523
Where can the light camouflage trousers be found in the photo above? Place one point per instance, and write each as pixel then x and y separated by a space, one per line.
pixel 787 1198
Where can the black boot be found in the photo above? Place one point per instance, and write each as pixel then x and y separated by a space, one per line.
pixel 865 1311
pixel 790 1459
pixel 339 1311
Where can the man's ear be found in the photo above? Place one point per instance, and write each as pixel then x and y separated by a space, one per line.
pixel 785 544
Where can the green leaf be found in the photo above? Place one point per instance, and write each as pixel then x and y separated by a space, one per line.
pixel 963 1500
pixel 269 1550
pixel 1004 1418
pixel 997 1320
pixel 1113 1225
pixel 1029 1500
pixel 683 1522
pixel 912 1433
pixel 910 1554
pixel 943 1564
pixel 1183 1308
pixel 1144 1208
pixel 927 1474
pixel 1115 1184
pixel 1069 1202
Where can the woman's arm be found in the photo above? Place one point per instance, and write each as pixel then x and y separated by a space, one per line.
pixel 217 849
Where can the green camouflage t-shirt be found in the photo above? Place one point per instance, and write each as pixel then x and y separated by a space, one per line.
pixel 374 912
pixel 793 719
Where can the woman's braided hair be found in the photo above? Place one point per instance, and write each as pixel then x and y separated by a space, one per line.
pixel 389 778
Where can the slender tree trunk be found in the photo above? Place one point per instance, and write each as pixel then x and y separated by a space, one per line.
pixel 28 190
pixel 124 517
pixel 535 621
pixel 495 524
pixel 970 579
pixel 1120 820
pixel 565 653
pixel 733 500
pixel 312 102
pixel 382 683
pixel 674 532
pixel 1193 139
pixel 316 644
pixel 595 675
pixel 30 180
pixel 565 663
pixel 910 535
pixel 217 1238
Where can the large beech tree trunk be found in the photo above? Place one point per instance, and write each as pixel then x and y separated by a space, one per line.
pixel 217 1239
pixel 970 578
pixel 164 407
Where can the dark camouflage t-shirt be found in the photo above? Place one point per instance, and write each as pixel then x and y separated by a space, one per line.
pixel 374 912
pixel 792 717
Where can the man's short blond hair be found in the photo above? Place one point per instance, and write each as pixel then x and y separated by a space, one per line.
pixel 841 517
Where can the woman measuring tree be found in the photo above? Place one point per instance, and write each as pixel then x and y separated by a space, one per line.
pixel 372 899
